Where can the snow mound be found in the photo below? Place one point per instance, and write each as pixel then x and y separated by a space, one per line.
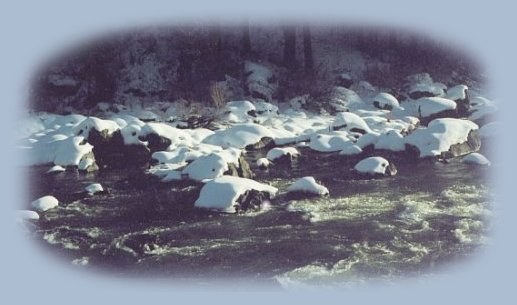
pixel 434 89
pixel 392 140
pixel 490 130
pixel 428 106
pixel 211 166
pixel 26 215
pixel 56 169
pixel 440 135
pixel 239 135
pixel 71 151
pixel 372 165
pixel 333 141
pixel 263 162
pixel 94 188
pixel 276 153
pixel 386 101
pixel 343 99
pixel 457 93
pixel 351 150
pixel 222 193
pixel 84 128
pixel 350 122
pixel 45 203
pixel 476 158
pixel 308 185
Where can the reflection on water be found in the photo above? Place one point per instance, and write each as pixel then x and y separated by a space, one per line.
pixel 426 216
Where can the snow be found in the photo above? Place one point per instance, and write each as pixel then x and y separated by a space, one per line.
pixel 476 158
pixel 241 135
pixel 457 93
pixel 392 140
pixel 440 135
pixel 330 142
pixel 436 89
pixel 94 188
pixel 84 128
pixel 258 79
pixel 351 150
pixel 386 101
pixel 490 130
pixel 276 153
pixel 71 151
pixel 56 169
pixel 26 215
pixel 343 99
pixel 84 164
pixel 372 165
pixel 308 185
pixel 348 121
pixel 45 203
pixel 262 162
pixel 222 193
pixel 428 106
pixel 211 166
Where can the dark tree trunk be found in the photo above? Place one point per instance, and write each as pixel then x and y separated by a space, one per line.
pixel 290 47
pixel 307 51
pixel 246 40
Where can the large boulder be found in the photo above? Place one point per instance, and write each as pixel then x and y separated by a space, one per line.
pixel 460 95
pixel 233 194
pixel 444 138
pixel 375 167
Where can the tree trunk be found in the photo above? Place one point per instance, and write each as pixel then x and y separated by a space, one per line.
pixel 290 47
pixel 307 51
pixel 246 40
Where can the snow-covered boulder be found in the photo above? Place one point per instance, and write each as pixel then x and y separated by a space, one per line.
pixel 45 203
pixel 330 142
pixel 364 89
pixel 260 81
pixel 460 95
pixel 56 169
pixel 103 127
pixel 375 166
pixel 232 194
pixel 385 101
pixel 308 185
pixel 422 85
pixel 445 138
pixel 217 164
pixel 239 135
pixel 284 153
pixel 94 188
pixel 391 140
pixel 351 150
pixel 476 158
pixel 430 108
pixel 26 215
pixel 263 163
pixel 343 99
pixel 350 122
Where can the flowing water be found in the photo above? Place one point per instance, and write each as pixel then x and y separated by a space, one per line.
pixel 429 215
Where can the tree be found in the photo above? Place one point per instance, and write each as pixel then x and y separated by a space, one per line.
pixel 307 50
pixel 246 40
pixel 290 47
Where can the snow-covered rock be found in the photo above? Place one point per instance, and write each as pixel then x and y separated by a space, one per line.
pixel 45 203
pixel 260 81
pixel 277 153
pixel 330 142
pixel 56 169
pixel 26 215
pixel 375 166
pixel 93 123
pixel 94 188
pixel 343 99
pixel 476 158
pixel 263 163
pixel 351 150
pixel 385 101
pixel 350 122
pixel 429 106
pixel 392 140
pixel 212 166
pixel 239 135
pixel 225 193
pixel 447 136
pixel 308 185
